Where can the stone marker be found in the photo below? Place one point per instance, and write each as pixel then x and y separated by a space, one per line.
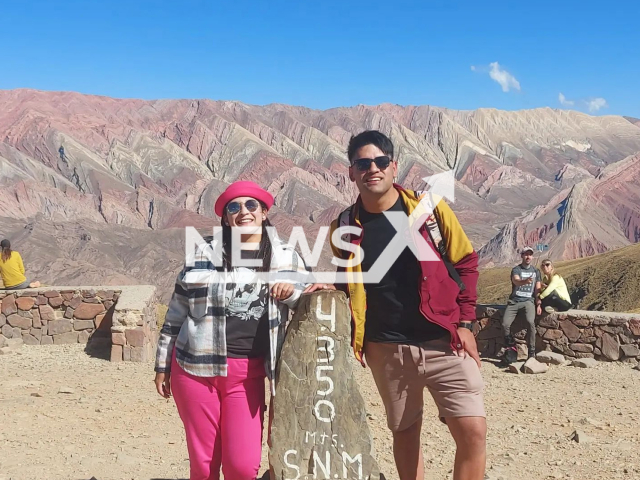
pixel 584 362
pixel 319 428
pixel 534 366
pixel 550 358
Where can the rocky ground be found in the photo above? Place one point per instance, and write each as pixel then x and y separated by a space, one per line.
pixel 65 415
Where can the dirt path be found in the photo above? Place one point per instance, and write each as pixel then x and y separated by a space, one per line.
pixel 112 425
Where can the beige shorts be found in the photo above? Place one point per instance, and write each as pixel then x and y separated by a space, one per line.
pixel 401 373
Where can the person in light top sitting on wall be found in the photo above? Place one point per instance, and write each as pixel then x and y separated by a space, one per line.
pixel 12 269
pixel 554 295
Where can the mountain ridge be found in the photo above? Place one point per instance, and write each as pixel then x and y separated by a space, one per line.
pixel 158 165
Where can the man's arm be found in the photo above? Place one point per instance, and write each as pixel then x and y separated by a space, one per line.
pixel 536 292
pixel 464 259
pixel 518 282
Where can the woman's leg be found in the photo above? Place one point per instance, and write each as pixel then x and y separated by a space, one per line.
pixel 20 286
pixel 242 416
pixel 198 402
pixel 554 300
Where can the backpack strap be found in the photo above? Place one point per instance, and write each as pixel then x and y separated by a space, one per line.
pixel 344 220
pixel 434 230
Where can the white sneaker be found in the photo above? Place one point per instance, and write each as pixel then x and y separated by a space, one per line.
pixel 549 309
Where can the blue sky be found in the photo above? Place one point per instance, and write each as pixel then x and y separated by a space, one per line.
pixel 332 53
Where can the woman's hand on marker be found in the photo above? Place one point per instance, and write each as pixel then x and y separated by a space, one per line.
pixel 318 286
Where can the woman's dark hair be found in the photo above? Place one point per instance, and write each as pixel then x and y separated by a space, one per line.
pixel 5 245
pixel 370 137
pixel 264 251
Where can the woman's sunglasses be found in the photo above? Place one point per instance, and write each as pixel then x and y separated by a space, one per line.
pixel 364 164
pixel 235 207
pixel 546 264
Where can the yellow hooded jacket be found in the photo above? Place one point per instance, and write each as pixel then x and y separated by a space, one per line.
pixel 442 301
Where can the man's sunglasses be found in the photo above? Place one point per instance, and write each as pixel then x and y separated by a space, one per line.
pixel 364 164
pixel 235 207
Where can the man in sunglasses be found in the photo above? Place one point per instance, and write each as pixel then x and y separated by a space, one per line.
pixel 414 327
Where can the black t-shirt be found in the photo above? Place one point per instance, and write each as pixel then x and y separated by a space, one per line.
pixel 246 311
pixel 393 305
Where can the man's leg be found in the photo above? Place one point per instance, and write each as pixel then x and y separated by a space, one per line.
pixel 470 434
pixel 407 452
pixel 530 310
pixel 456 386
pixel 395 371
pixel 507 319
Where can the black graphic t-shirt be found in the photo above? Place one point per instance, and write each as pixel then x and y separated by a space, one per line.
pixel 246 311
pixel 393 305
pixel 524 293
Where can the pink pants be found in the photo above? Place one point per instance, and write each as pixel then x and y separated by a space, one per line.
pixel 222 418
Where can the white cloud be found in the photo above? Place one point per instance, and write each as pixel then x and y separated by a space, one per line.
pixel 596 104
pixel 564 102
pixel 504 78
pixel 473 68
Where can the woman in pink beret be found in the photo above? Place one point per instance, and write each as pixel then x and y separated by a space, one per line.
pixel 223 333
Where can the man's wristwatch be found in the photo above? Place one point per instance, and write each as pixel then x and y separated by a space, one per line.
pixel 467 325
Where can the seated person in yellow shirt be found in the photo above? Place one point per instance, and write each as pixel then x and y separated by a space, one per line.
pixel 12 269
pixel 554 295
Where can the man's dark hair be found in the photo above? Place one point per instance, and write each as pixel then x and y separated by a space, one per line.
pixel 370 137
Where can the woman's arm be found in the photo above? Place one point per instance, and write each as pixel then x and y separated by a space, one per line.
pixel 176 315
pixel 296 266
pixel 20 264
pixel 553 284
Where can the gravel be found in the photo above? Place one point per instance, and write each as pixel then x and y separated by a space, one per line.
pixel 73 416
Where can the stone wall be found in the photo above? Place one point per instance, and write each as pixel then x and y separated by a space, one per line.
pixel 97 316
pixel 576 333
